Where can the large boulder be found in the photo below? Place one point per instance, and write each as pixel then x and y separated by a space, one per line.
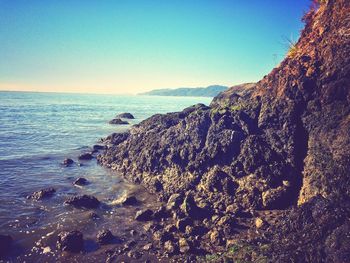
pixel 83 201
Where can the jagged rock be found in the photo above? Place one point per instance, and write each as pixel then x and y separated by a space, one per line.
pixel 83 201
pixel 5 245
pixel 161 213
pixel 81 181
pixel 70 241
pixel 118 122
pixel 67 162
pixel 129 200
pixel 104 237
pixel 174 202
pixel 125 115
pixel 42 194
pixel 85 156
pixel 144 215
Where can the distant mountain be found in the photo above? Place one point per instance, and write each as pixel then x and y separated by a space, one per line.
pixel 210 91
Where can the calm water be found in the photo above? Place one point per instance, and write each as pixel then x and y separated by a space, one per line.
pixel 39 130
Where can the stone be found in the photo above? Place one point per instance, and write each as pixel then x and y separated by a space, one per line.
pixel 67 162
pixel 170 247
pixel 42 194
pixel 85 156
pixel 5 244
pixel 162 236
pixel 174 202
pixel 81 181
pixel 184 245
pixel 161 213
pixel 105 237
pixel 118 122
pixel 125 115
pixel 216 238
pixel 259 222
pixel 144 215
pixel 83 201
pixel 181 224
pixel 129 200
pixel 70 241
pixel 147 247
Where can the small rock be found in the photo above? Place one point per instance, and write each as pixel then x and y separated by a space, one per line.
pixel 130 200
pixel 125 115
pixel 147 247
pixel 5 244
pixel 259 222
pixel 215 237
pixel 67 162
pixel 104 237
pixel 41 194
pixel 184 245
pixel 170 228
pixel 118 122
pixel 133 232
pixel 190 208
pixel 170 247
pixel 162 237
pixel 144 215
pixel 83 201
pixel 70 241
pixel 181 224
pixel 161 213
pixel 85 156
pixel 81 181
pixel 174 202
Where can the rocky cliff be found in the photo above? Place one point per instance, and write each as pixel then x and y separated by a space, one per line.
pixel 277 144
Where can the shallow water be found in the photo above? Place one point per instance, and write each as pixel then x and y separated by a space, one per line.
pixel 39 130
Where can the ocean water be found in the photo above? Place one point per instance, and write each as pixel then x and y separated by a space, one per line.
pixel 39 130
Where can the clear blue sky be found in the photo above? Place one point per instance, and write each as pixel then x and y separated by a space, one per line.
pixel 129 46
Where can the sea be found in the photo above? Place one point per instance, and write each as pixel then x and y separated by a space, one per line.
pixel 37 132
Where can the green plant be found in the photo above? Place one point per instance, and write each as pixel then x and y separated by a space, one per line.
pixel 293 49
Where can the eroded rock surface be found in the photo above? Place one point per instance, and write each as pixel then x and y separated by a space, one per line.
pixel 270 145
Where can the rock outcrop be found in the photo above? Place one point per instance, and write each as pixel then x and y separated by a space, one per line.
pixel 270 145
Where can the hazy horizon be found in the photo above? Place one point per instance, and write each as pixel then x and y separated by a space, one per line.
pixel 129 47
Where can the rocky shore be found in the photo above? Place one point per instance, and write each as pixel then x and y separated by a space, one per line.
pixel 261 175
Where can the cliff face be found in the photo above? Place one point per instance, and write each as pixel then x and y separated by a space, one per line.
pixel 268 145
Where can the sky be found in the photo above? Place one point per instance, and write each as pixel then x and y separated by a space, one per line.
pixel 131 46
